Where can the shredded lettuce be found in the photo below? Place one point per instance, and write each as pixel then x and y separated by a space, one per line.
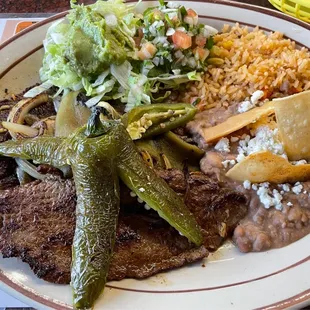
pixel 63 65
pixel 122 73
pixel 93 51
pixel 38 89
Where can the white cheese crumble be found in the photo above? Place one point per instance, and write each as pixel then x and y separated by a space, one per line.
pixel 273 198
pixel 256 96
pixel 250 104
pixel 285 187
pixel 266 139
pixel 141 189
pixel 299 162
pixel 269 199
pixel 247 184
pixel 222 145
pixel 245 106
pixel 240 157
pixel 297 188
pixel 254 186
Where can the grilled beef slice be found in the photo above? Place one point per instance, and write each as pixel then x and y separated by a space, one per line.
pixel 37 224
pixel 8 176
pixel 217 209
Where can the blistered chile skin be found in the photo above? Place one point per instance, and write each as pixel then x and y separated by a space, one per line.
pixel 44 150
pixel 155 191
pixel 97 209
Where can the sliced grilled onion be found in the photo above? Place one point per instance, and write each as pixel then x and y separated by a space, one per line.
pixel 20 110
pixel 30 169
pixel 110 110
pixel 17 130
pixel 45 126
pixel 20 130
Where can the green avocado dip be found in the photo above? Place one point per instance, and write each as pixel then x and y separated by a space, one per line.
pixel 92 44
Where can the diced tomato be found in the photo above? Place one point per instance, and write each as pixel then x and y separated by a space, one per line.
pixel 191 13
pixel 201 53
pixel 147 51
pixel 191 17
pixel 200 40
pixel 181 40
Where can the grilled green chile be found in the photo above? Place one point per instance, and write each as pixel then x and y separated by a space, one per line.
pixel 154 119
pixel 97 191
pixel 141 179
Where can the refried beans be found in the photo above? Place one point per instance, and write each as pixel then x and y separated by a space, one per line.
pixel 263 228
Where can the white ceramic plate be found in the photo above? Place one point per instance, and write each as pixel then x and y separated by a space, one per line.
pixel 275 279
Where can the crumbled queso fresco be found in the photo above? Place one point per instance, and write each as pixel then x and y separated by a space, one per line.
pixel 263 139
pixel 272 198
pixel 250 104
pixel 222 145
pixel 228 163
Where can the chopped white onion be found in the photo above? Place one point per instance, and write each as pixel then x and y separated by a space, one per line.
pixel 111 19
pixel 170 32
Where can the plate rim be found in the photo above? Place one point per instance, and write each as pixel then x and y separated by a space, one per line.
pixel 247 6
pixel 25 294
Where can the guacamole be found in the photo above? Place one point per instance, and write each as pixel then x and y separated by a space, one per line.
pixel 92 44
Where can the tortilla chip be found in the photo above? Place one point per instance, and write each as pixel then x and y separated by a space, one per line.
pixel 293 118
pixel 237 122
pixel 268 167
pixel 267 121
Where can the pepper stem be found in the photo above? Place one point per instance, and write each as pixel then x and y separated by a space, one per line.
pixel 95 127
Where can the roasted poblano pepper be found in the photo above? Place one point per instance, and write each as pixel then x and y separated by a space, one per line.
pixel 97 190
pixel 43 150
pixel 98 153
pixel 154 119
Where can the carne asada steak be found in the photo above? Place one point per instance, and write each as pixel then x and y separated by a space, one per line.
pixel 37 224
pixel 217 209
pixel 8 176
